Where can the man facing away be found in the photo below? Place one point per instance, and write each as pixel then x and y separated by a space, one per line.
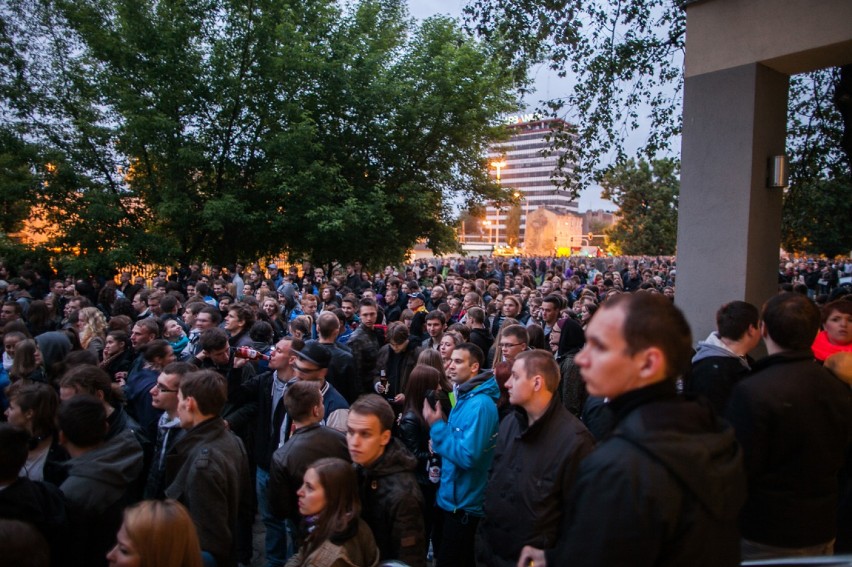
pixel 207 470
pixel 466 444
pixel 722 360
pixel 666 485
pixel 792 418
pixel 530 483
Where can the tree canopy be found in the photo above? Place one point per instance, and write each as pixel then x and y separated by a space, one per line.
pixel 646 195
pixel 167 130
pixel 625 60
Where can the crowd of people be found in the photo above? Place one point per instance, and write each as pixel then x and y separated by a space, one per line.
pixel 457 412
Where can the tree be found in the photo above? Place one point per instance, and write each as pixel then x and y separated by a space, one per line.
pixel 513 224
pixel 220 129
pixel 626 59
pixel 818 204
pixel 646 195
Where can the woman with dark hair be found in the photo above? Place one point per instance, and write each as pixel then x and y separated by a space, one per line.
pixel 433 358
pixel 502 372
pixel 27 364
pixel 33 407
pixel 106 298
pixel 39 318
pixel 572 389
pixel 587 310
pixel 123 306
pixel 536 335
pixel 413 431
pixel 336 536
pixel 328 298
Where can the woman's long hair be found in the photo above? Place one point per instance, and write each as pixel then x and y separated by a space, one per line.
pixel 431 357
pixel 24 362
pixel 42 400
pixel 423 377
pixel 163 534
pixel 338 480
pixel 94 325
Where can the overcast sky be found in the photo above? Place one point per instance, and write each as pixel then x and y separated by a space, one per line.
pixel 547 84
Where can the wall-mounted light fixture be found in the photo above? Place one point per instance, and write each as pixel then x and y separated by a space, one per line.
pixel 778 172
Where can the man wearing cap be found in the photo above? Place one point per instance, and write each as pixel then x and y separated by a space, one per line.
pixel 275 275
pixel 311 365
pixel 417 303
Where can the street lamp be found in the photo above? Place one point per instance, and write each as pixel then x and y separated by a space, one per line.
pixel 498 165
pixel 487 224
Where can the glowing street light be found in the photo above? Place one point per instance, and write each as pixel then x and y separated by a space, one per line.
pixel 498 165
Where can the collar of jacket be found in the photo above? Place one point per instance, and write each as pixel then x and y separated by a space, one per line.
pixel 471 384
pixel 521 415
pixel 781 358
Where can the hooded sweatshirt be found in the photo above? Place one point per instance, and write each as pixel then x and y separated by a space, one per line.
pixel 98 487
pixel 466 444
pixel 715 371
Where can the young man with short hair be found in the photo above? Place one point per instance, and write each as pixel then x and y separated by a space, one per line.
pixel 525 454
pixel 435 324
pixel 666 485
pixel 466 444
pixel 391 501
pixel 793 419
pixel 310 441
pixel 164 398
pixel 722 360
pixel 101 478
pixel 207 470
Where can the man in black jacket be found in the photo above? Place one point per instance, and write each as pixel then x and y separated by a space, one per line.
pixel 268 390
pixel 722 360
pixel 666 485
pixel 792 418
pixel 310 441
pixel 528 466
pixel 341 369
pixel 391 501
pixel 207 470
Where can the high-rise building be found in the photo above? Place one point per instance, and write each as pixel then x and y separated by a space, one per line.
pixel 518 164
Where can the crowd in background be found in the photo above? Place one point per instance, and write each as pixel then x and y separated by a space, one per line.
pixel 169 410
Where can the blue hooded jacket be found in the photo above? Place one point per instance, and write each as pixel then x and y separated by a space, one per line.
pixel 466 444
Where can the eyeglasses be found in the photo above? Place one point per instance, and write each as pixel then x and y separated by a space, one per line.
pixel 164 390
pixel 303 370
pixel 510 345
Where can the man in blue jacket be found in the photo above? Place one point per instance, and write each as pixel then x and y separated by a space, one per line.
pixel 466 443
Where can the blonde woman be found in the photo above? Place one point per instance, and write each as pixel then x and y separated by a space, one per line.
pixel 91 325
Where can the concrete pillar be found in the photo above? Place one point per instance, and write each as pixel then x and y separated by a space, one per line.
pixel 729 222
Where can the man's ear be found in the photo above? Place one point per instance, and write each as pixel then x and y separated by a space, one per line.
pixel 385 437
pixel 653 364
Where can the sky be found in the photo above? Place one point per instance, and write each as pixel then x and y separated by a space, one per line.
pixel 547 84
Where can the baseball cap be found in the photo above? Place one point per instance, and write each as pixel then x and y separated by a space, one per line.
pixel 315 353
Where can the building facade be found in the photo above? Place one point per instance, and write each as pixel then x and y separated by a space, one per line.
pixel 519 165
